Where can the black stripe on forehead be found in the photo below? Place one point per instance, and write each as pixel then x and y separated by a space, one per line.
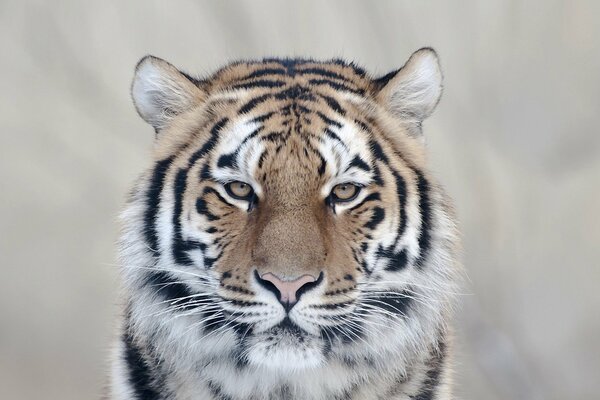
pixel 328 120
pixel 359 163
pixel 229 160
pixel 336 86
pixel 263 72
pixel 332 135
pixel 325 73
pixel 263 117
pixel 254 102
pixel 333 103
pixel 259 84
pixel 315 70
pixel 296 92
pixel 210 143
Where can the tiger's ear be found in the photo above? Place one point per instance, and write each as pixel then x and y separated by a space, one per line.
pixel 412 92
pixel 160 91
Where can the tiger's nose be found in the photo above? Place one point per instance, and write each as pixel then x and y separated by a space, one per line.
pixel 288 292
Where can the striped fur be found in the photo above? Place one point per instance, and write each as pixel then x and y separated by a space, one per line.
pixel 196 322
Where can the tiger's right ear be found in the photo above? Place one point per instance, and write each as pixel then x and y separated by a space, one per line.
pixel 412 92
pixel 160 91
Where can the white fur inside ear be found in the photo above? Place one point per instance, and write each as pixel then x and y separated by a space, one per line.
pixel 415 90
pixel 160 91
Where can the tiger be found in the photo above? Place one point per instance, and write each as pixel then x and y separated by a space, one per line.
pixel 287 240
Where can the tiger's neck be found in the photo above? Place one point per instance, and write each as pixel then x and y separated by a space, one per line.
pixel 146 375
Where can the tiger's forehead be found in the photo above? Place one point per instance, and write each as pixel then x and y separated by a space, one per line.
pixel 277 73
pixel 293 143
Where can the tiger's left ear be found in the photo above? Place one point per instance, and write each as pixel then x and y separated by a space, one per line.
pixel 160 91
pixel 412 92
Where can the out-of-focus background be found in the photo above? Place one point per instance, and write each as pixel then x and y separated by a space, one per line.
pixel 515 139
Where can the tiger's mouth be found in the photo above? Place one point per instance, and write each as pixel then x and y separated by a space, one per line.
pixel 285 347
pixel 289 327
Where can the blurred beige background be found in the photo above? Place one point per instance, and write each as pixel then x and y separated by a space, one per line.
pixel 515 139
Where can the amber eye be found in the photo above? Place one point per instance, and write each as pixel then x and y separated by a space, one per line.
pixel 240 190
pixel 344 192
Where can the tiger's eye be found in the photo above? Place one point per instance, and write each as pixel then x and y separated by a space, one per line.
pixel 239 190
pixel 345 192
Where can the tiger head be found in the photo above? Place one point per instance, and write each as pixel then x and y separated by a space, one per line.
pixel 288 219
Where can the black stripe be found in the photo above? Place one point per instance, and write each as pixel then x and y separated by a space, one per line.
pixel 395 303
pixel 336 86
pixel 249 137
pixel 425 207
pixel 322 165
pixel 202 209
pixel 262 158
pixel 432 380
pixel 277 136
pixel 377 179
pixel 327 120
pixel 180 247
pixel 378 152
pixel 217 391
pixel 240 352
pixel 140 376
pixel 376 218
pixel 371 197
pixel 213 319
pixel 209 190
pixel 401 195
pixel 228 160
pixel 364 126
pixel 357 70
pixel 329 133
pixel 210 143
pixel 253 103
pixel 259 84
pixel 296 92
pixel 381 82
pixel 323 72
pixel 359 163
pixel 205 173
pixel 398 259
pixel 153 203
pixel 162 283
pixel 263 72
pixel 331 102
pixel 264 117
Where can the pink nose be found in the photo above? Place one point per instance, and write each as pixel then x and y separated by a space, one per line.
pixel 288 290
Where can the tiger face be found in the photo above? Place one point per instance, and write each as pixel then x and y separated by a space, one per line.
pixel 288 219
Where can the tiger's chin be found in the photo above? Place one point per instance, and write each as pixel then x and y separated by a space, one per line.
pixel 286 348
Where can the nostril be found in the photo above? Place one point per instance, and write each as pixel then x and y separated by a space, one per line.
pixel 267 284
pixel 288 292
pixel 309 285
